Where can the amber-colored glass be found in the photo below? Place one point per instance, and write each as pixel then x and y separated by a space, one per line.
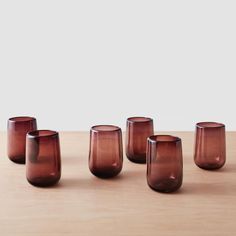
pixel 43 158
pixel 106 152
pixel 164 163
pixel 138 129
pixel 17 128
pixel 210 150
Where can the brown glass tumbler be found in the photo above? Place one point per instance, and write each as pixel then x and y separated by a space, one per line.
pixel 43 158
pixel 17 128
pixel 138 129
pixel 164 163
pixel 106 152
pixel 210 150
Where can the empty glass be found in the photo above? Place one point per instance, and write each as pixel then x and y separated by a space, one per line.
pixel 17 128
pixel 210 150
pixel 106 153
pixel 138 129
pixel 164 163
pixel 43 158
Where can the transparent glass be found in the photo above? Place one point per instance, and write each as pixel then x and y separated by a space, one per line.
pixel 43 158
pixel 164 163
pixel 17 128
pixel 106 152
pixel 138 129
pixel 210 150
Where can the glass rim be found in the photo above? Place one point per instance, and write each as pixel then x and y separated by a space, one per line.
pixel 42 133
pixel 163 138
pixel 139 119
pixel 107 128
pixel 21 119
pixel 209 124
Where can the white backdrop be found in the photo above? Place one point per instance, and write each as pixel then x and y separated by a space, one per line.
pixel 73 64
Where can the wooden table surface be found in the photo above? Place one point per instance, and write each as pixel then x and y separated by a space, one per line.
pixel 82 204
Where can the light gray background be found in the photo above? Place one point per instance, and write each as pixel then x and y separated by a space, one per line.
pixel 73 64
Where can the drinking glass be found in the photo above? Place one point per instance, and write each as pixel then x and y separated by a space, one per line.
pixel 43 158
pixel 17 128
pixel 210 150
pixel 106 152
pixel 164 163
pixel 138 129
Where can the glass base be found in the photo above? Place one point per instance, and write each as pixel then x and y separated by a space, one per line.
pixel 43 181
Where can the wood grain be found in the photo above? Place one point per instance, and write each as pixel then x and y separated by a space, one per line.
pixel 82 204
